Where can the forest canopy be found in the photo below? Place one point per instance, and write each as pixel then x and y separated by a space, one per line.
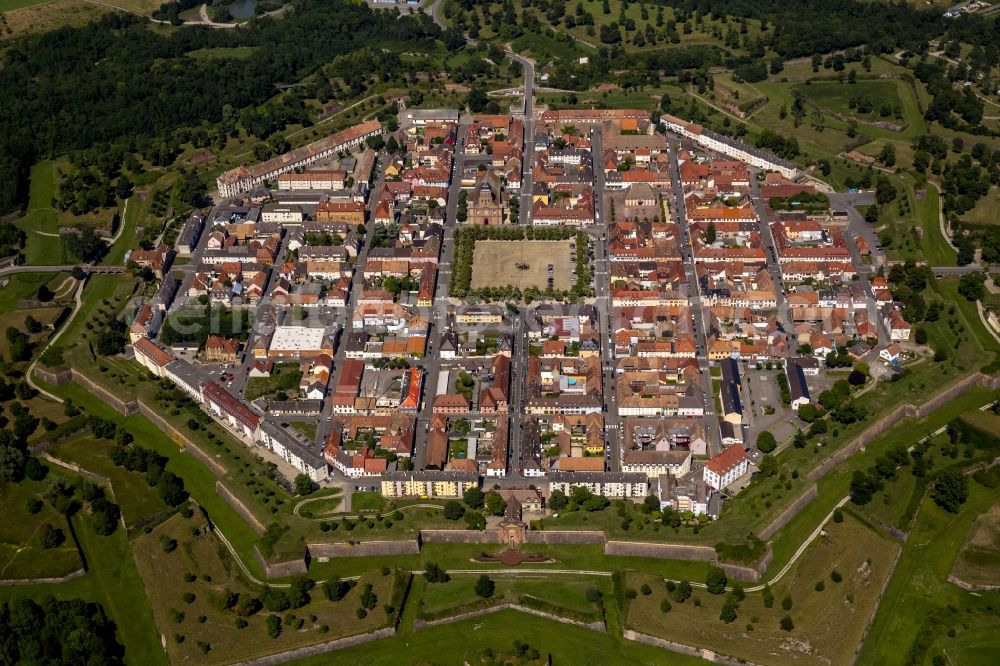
pixel 116 80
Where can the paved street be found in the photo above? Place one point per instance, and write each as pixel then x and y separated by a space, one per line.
pixel 713 435
pixel 773 267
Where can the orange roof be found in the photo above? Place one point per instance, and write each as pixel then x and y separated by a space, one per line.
pixel 412 398
pixel 148 348
pixel 726 460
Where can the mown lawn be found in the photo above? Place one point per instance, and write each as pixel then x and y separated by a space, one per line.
pixel 198 552
pixel 112 580
pixel 140 502
pixel 198 479
pixel 21 553
pixel 979 560
pixel 564 591
pixel 919 585
pixel 467 641
pixel 835 97
pixel 860 555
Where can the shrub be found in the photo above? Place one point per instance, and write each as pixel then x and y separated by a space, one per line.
pixel 766 442
pixel 274 600
pixel 786 603
pixel 188 597
pixel 453 510
pixel 241 623
pixel 169 545
pixel 820 586
pixel 665 606
pixel 728 612
pixel 768 596
pixel 646 590
pixel 835 576
pixel 716 580
pixel 273 626
pixel 683 592
pixel 485 587
pixel 51 537
pixel 838 516
pixel 593 595
pixel 247 605
pixel 435 574
pixel 335 589
pixel 361 613
pixel 630 593
pixel 190 577
pixel 786 623
pixel 368 597
pixel 176 616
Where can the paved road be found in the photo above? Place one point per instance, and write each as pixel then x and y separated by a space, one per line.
pixel 713 435
pixel 77 301
pixel 439 315
pixel 858 226
pixel 784 310
pixel 606 325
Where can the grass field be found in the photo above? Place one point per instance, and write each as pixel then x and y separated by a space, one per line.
pixel 42 220
pixel 21 553
pixel 979 560
pixel 284 377
pixel 985 211
pixel 240 52
pixel 130 488
pixel 919 586
pixel 321 507
pixel 113 581
pixel 10 5
pixel 198 479
pixel 42 217
pixel 567 592
pixel 306 428
pixel 467 641
pixel 16 319
pixel 143 7
pixel 834 97
pixel 494 263
pixel 821 635
pixel 973 648
pixel 20 286
pixel 198 552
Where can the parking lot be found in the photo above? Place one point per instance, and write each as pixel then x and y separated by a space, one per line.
pixel 761 392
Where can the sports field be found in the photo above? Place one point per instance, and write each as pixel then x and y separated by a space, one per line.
pixel 494 263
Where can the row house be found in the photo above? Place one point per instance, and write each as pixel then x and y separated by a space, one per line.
pixel 294 448
pixel 323 179
pixel 613 485
pixel 428 484
pixel 243 178
pixel 654 463
pixel 236 414
pixel 730 147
